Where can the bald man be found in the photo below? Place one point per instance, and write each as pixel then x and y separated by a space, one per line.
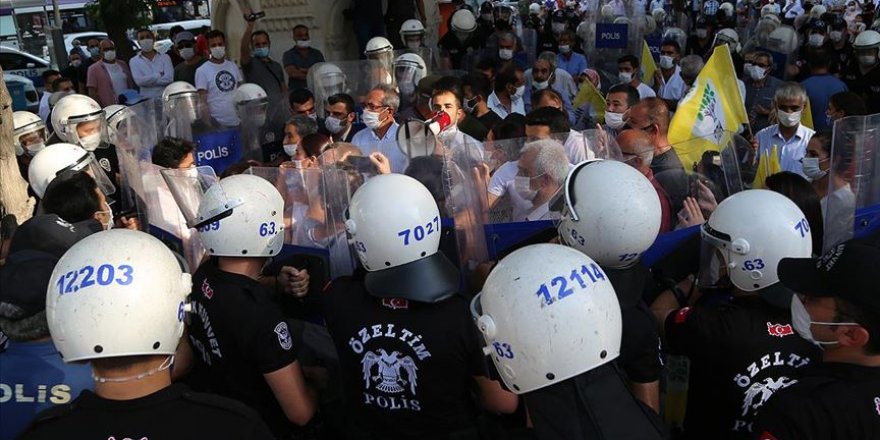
pixel 638 152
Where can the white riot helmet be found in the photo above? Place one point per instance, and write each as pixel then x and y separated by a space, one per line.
pixel 747 235
pixel 607 12
pixel 678 35
pixel 377 46
pixel 181 99
pixel 57 158
pixel 783 39
pixel 412 33
pixel 394 224
pixel 463 20
pixel 659 15
pixel 817 11
pixel 329 80
pixel 73 110
pixel 241 216
pixel 727 8
pixel 729 37
pixel 117 293
pixel 27 125
pixel 115 114
pixel 616 224
pixel 573 326
pixel 867 40
pixel 252 104
pixel 409 69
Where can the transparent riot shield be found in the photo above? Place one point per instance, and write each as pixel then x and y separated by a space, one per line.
pixel 600 145
pixel 315 201
pixel 711 172
pixel 261 133
pixel 355 78
pixel 136 135
pixel 617 30
pixel 429 55
pixel 465 202
pixel 782 45
pixel 850 205
pixel 176 206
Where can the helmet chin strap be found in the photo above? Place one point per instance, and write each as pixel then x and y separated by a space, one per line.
pixel 166 364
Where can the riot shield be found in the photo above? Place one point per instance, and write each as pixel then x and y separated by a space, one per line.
pixel 711 172
pixel 136 135
pixel 600 145
pixel 315 201
pixel 782 45
pixel 850 205
pixel 616 31
pixel 465 202
pixel 429 55
pixel 355 78
pixel 261 134
pixel 177 198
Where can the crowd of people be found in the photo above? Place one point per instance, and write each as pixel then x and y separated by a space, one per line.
pixel 451 241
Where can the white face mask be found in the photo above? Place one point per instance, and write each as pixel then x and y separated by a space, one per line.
pixel 33 149
pixel 76 63
pixel 505 54
pixel 756 73
pixel 564 48
pixel 187 53
pixel 867 60
pixel 413 44
pixel 614 120
pixel 801 322
pixel 146 44
pixel 541 85
pixel 789 119
pixel 666 62
pixel 625 77
pixel 303 44
pixel 110 55
pixel 523 188
pixel 520 91
pixel 836 36
pixel 333 125
pixel 811 168
pixel 816 40
pixel 290 149
pixel 406 88
pixel 702 33
pixel 371 119
pixel 90 142
pixel 218 52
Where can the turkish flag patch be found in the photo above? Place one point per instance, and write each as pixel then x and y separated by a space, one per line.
pixel 681 315
pixel 779 330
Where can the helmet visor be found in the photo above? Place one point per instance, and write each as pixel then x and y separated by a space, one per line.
pixel 89 164
pixel 714 255
pixel 90 131
pixel 188 187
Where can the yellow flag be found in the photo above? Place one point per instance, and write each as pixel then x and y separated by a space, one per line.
pixel 712 107
pixel 589 94
pixel 807 116
pixel 648 65
pixel 768 165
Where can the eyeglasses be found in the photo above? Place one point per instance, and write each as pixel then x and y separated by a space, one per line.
pixel 375 108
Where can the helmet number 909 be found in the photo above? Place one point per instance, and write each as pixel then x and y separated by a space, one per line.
pixel 419 232
pixel 267 228
pixel 104 275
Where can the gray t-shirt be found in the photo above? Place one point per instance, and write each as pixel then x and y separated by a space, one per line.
pixel 293 57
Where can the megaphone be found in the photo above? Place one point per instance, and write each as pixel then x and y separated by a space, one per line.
pixel 417 138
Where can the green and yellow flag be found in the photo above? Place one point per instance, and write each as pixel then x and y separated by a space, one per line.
pixel 768 165
pixel 648 66
pixel 590 94
pixel 712 107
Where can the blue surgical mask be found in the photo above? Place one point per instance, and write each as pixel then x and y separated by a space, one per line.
pixel 261 52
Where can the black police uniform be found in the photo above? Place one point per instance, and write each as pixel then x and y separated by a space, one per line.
pixel 174 412
pixel 457 50
pixel 830 401
pixel 593 405
pixel 238 334
pixel 740 353
pixel 866 85
pixel 640 343
pixel 406 365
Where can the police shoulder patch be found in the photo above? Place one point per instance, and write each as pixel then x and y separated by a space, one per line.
pixel 283 334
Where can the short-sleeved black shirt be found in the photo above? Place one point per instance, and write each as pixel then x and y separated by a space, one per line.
pixel 740 354
pixel 866 85
pixel 407 367
pixel 171 413
pixel 238 334
pixel 829 401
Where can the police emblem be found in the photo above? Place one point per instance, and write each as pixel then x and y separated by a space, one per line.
pixel 284 338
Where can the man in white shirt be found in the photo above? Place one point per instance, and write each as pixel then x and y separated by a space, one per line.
pixel 628 72
pixel 789 137
pixel 380 134
pixel 545 74
pixel 668 78
pixel 507 96
pixel 542 171
pixel 551 123
pixel 151 71
pixel 49 77
pixel 217 81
